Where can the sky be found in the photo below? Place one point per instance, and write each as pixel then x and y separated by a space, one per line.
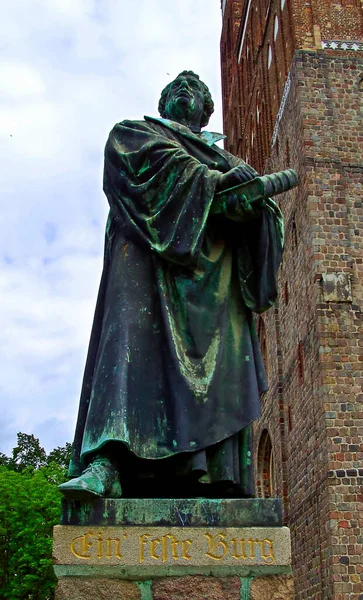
pixel 69 70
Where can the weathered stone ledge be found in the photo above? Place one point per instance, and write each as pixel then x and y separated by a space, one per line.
pixel 191 512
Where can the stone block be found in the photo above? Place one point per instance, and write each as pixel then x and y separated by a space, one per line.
pixel 74 588
pixel 273 587
pixel 147 552
pixel 196 588
pixel 336 287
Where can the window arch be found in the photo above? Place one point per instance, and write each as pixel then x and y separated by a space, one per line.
pixel 261 333
pixel 266 487
pixel 287 154
pixel 276 27
pixel 294 235
pixel 300 361
pixel 249 61
pixel 229 38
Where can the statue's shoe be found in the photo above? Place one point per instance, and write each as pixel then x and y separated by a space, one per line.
pixel 99 480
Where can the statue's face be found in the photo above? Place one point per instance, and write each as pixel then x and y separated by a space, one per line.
pixel 185 100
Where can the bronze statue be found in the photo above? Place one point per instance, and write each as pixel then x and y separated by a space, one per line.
pixel 174 370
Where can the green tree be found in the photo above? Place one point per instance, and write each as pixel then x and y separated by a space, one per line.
pixel 28 452
pixel 29 507
pixel 60 456
pixel 6 461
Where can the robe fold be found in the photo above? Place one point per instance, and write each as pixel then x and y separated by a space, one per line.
pixel 174 365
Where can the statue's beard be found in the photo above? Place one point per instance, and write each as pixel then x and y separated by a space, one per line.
pixel 182 109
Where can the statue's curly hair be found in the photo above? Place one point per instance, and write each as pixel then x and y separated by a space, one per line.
pixel 208 102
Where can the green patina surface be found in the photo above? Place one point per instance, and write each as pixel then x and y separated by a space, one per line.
pixel 174 369
pixel 145 590
pixel 146 573
pixel 246 588
pixel 193 244
pixel 175 512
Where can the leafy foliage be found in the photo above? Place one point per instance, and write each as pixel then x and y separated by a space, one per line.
pixel 60 456
pixel 28 453
pixel 5 461
pixel 29 507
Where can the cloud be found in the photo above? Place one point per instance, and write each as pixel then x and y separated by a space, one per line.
pixel 20 79
pixel 69 71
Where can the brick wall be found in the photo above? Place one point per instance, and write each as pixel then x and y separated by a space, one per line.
pixel 258 41
pixel 313 411
pixel 314 408
pixel 332 105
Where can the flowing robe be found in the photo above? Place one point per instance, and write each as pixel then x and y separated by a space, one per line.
pixel 174 365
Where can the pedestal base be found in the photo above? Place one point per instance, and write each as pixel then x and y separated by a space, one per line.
pixel 158 549
pixel 272 587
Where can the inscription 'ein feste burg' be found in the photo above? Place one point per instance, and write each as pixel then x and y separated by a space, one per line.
pixel 172 547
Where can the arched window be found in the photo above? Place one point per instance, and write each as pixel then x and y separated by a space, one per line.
pixel 276 27
pixel 300 362
pixel 265 484
pixel 261 333
pixel 287 154
pixel 229 38
pixel 286 293
pixel 249 61
pixel 294 235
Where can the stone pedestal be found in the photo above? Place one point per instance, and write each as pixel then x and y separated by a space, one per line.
pixel 160 549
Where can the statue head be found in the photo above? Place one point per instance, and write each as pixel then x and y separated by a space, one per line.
pixel 187 100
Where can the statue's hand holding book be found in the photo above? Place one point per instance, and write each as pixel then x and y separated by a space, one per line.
pixel 246 200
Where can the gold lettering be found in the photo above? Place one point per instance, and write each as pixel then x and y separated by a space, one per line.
pixel 217 544
pixel 117 542
pixel 143 540
pixel 163 548
pixel 153 545
pixel 99 545
pixel 186 545
pixel 164 545
pixel 174 547
pixel 252 547
pixel 267 551
pixel 242 554
pixel 81 545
